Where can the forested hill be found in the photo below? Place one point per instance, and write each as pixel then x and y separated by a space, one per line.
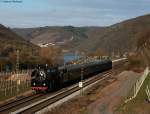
pixel 118 37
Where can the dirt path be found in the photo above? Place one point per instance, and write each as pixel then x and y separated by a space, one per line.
pixel 111 95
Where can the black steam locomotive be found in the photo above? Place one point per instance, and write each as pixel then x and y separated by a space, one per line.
pixel 52 78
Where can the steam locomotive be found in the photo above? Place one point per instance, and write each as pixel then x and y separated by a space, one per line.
pixel 53 78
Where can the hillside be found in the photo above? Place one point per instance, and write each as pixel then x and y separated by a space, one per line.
pixel 118 37
pixel 143 45
pixel 56 35
pixel 121 36
pixel 9 43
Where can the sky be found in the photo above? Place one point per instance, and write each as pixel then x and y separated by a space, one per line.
pixel 39 13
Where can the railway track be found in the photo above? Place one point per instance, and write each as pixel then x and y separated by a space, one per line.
pixel 19 103
pixel 28 109
pixel 34 103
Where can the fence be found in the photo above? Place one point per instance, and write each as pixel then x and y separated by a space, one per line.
pixel 14 72
pixel 138 84
pixel 148 92
pixel 12 83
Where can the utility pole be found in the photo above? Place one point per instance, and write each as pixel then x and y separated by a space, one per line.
pixel 17 63
pixel 17 69
pixel 81 82
pixel 81 74
pixel 1 67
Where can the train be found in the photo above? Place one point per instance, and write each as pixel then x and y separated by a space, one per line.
pixel 50 78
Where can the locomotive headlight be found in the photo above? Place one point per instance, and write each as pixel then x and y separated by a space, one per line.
pixel 44 84
pixel 33 83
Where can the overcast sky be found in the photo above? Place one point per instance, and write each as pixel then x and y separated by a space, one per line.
pixel 35 13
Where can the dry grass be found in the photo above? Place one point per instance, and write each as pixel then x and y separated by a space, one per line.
pixel 139 105
pixel 79 105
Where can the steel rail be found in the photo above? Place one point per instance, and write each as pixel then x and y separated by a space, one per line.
pixel 46 102
pixel 14 103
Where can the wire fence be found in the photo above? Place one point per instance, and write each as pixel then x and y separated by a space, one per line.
pixel 138 85
pixel 14 84
pixel 14 72
pixel 147 90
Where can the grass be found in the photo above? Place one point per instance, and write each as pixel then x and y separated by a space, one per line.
pixel 139 105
